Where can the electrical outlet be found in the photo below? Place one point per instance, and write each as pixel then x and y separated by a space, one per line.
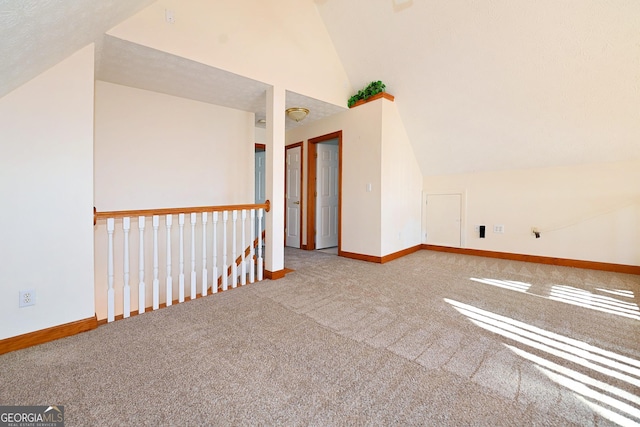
pixel 498 228
pixel 27 298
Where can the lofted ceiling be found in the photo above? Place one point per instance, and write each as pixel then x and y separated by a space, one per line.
pixel 37 34
pixel 482 85
pixel 130 64
pixel 500 84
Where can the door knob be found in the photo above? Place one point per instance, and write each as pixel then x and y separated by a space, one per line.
pixel 296 203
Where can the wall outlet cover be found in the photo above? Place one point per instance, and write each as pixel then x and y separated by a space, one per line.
pixel 27 298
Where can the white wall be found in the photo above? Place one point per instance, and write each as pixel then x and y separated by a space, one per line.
pixel 376 151
pixel 280 42
pixel 260 135
pixel 46 186
pixel 361 150
pixel 154 150
pixel 587 212
pixel 401 185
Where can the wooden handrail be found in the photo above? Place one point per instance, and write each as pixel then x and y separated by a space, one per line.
pixel 170 211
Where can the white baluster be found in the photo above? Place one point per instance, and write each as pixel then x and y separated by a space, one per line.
pixel 214 285
pixel 243 269
pixel 260 211
pixel 252 269
pixel 193 255
pixel 169 282
pixel 234 253
pixel 126 290
pixel 110 293
pixel 181 277
pixel 141 285
pixel 205 278
pixel 225 278
pixel 156 282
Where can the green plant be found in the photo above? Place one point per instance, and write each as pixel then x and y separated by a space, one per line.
pixel 372 88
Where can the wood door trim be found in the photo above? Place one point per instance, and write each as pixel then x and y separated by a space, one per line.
pixel 301 145
pixel 311 185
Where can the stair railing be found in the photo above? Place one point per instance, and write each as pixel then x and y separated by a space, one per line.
pixel 208 271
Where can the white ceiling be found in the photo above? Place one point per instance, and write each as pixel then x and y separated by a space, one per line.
pixel 37 34
pixel 492 84
pixel 483 85
pixel 133 65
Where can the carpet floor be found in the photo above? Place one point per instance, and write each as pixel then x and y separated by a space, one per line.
pixel 429 339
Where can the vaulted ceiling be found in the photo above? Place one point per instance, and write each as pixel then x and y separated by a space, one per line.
pixel 500 84
pixel 37 34
pixel 482 85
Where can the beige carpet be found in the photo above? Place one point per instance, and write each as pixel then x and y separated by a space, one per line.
pixel 429 339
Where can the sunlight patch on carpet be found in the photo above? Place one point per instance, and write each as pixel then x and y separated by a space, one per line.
pixel 610 401
pixel 576 296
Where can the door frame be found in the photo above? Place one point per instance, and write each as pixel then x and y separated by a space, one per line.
pixel 287 147
pixel 311 188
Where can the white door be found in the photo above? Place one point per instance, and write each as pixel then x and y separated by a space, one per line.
pixel 444 219
pixel 327 194
pixel 293 196
pixel 260 174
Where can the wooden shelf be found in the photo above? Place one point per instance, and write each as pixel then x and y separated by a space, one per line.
pixel 384 95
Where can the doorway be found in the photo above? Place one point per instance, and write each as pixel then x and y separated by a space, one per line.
pixel 293 195
pixel 324 192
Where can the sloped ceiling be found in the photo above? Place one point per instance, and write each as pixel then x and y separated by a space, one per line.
pixel 482 85
pixel 490 85
pixel 130 64
pixel 37 34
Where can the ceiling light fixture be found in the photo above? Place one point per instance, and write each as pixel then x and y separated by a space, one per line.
pixel 297 113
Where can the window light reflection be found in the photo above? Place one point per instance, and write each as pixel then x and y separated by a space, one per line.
pixel 575 375
pixel 611 402
pixel 576 296
pixel 582 298
pixel 506 284
pixel 549 343
pixel 583 390
pixel 619 292
pixel 610 415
